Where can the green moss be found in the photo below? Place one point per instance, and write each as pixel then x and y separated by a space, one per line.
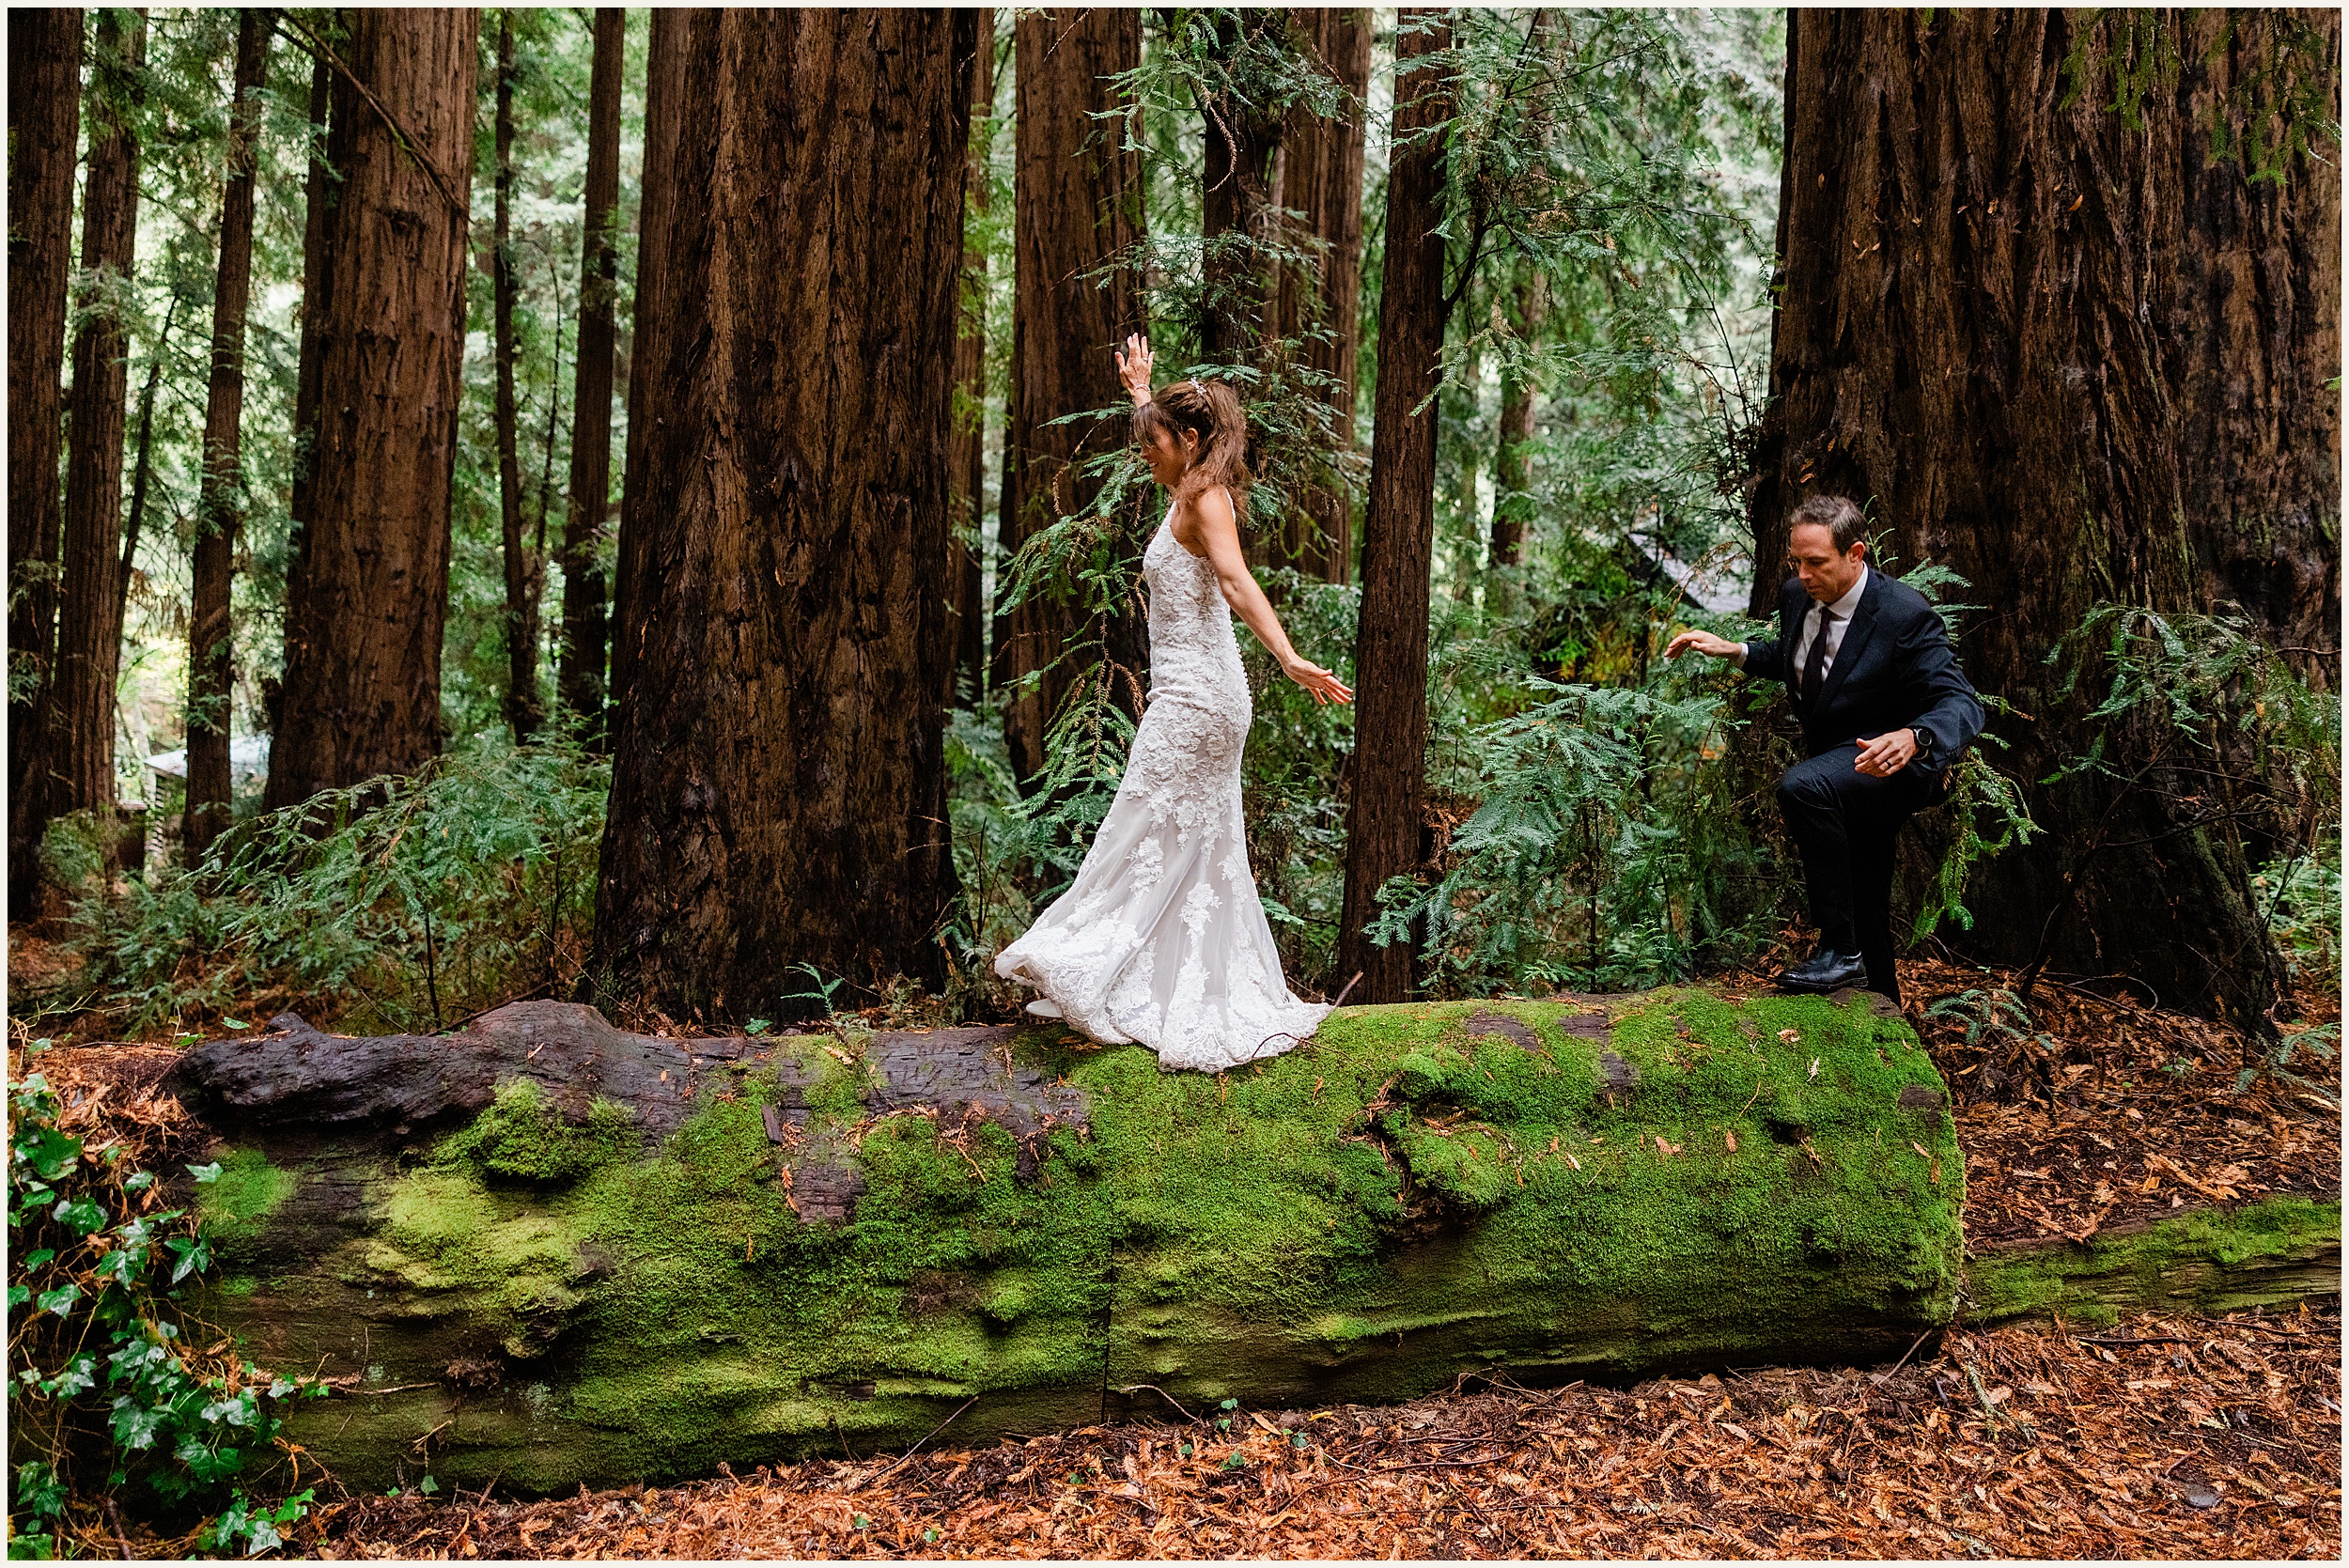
pixel 1363 1217
pixel 2276 1250
pixel 248 1190
pixel 523 1136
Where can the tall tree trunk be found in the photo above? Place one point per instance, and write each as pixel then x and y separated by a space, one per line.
pixel 142 464
pixel 579 673
pixel 521 619
pixel 967 471
pixel 1513 466
pixel 664 112
pixel 1321 180
pixel 1077 202
pixel 1382 832
pixel 368 593
pixel 44 123
pixel 222 488
pixel 79 732
pixel 322 200
pixel 1238 203
pixel 2077 359
pixel 784 803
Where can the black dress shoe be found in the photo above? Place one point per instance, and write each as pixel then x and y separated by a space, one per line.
pixel 1825 970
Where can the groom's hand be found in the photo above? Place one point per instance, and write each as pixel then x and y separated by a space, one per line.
pixel 1703 642
pixel 1887 754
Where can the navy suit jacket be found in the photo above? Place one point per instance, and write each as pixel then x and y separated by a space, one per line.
pixel 1894 669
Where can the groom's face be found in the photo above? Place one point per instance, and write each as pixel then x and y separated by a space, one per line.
pixel 1827 573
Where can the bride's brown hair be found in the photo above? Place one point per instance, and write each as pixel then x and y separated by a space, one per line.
pixel 1210 411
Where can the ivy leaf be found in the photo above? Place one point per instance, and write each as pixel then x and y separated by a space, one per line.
pixel 31 1260
pixel 59 1300
pixel 234 1023
pixel 195 1254
pixel 18 1296
pixel 81 1214
pixel 206 1172
pixel 49 1151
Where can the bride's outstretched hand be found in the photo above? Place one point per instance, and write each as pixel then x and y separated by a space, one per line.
pixel 1325 687
pixel 1133 366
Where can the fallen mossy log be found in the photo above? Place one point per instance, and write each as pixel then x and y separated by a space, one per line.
pixel 549 1252
pixel 2270 1252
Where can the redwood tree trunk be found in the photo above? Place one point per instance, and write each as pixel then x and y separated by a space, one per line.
pixel 367 593
pixel 222 487
pixel 321 198
pixel 521 619
pixel 44 120
pixel 78 734
pixel 967 470
pixel 2077 360
pixel 783 801
pixel 665 111
pixel 1077 202
pixel 1321 180
pixel 1513 466
pixel 579 673
pixel 1383 832
pixel 1238 200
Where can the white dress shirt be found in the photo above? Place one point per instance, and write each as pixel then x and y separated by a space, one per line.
pixel 1843 609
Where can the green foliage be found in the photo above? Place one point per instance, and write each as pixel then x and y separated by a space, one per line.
pixel 409 901
pixel 103 1377
pixel 522 1137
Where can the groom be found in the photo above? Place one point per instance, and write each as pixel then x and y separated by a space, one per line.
pixel 1885 711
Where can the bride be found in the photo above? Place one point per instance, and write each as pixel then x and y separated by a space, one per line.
pixel 1161 937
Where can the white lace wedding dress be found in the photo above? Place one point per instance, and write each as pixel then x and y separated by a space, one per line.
pixel 1161 937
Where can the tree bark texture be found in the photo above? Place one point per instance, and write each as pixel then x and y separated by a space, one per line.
pixel 1239 204
pixel 1076 203
pixel 1321 180
pixel 580 670
pixel 1383 830
pixel 967 470
pixel 44 127
pixel 321 196
pixel 79 732
pixel 782 802
pixel 368 593
pixel 573 1253
pixel 664 113
pixel 220 497
pixel 1513 466
pixel 522 601
pixel 2078 361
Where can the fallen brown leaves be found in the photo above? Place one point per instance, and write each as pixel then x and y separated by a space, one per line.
pixel 2132 1115
pixel 2166 1436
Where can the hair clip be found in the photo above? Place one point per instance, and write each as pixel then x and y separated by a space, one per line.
pixel 1197 388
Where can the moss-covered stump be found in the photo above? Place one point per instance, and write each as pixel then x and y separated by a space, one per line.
pixel 815 1241
pixel 2276 1250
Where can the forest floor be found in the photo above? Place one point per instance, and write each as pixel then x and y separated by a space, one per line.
pixel 2164 1435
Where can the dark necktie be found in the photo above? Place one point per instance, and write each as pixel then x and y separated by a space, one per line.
pixel 1814 667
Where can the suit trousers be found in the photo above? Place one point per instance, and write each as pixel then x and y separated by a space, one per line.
pixel 1845 823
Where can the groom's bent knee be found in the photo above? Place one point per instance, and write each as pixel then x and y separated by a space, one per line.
pixel 1805 787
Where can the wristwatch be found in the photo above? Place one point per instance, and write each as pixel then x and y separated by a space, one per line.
pixel 1925 740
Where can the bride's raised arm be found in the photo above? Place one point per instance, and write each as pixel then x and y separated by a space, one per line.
pixel 1219 538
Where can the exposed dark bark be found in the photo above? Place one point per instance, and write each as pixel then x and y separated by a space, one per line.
pixel 44 121
pixel 665 111
pixel 967 469
pixel 522 712
pixel 79 730
pixel 1076 203
pixel 220 492
pixel 1513 506
pixel 1382 834
pixel 783 803
pixel 367 593
pixel 1238 202
pixel 579 673
pixel 1321 180
pixel 2077 360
